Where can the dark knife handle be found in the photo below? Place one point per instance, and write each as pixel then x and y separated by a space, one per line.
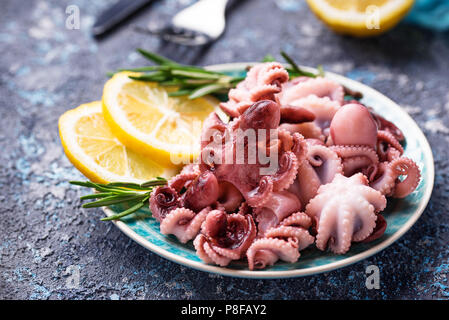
pixel 116 14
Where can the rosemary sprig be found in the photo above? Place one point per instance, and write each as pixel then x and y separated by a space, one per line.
pixel 294 70
pixel 191 81
pixel 196 82
pixel 134 194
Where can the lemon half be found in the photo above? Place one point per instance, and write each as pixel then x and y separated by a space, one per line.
pixel 360 18
pixel 147 120
pixel 94 150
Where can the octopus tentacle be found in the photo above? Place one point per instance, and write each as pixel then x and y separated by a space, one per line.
pixel 369 224
pixel 298 219
pixel 384 181
pixel 263 81
pixel 264 92
pixel 279 206
pixel 315 142
pixel 243 231
pixel 379 229
pixel 199 243
pixel 300 236
pixel 224 252
pixel 259 196
pixel 325 162
pixel 405 166
pixel 232 108
pixel 212 127
pixel 288 168
pixel 294 114
pixel 339 222
pixel 244 209
pixel 388 147
pixel 372 196
pixel 180 180
pixel 308 130
pixel 275 73
pixel 387 137
pixel 162 201
pixel 356 151
pixel 324 110
pixel 387 182
pixel 320 87
pixel 306 184
pixel 286 139
pixel 355 164
pixel 225 237
pixel 392 154
pixel 214 256
pixel 262 258
pixel 237 94
pixel 235 109
pixel 229 196
pixel 385 125
pixel 320 168
pixel 183 223
pixel 300 147
pixel 257 256
pixel 345 227
pixel 324 230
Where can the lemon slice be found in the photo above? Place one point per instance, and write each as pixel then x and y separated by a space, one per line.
pixel 360 18
pixel 147 120
pixel 93 149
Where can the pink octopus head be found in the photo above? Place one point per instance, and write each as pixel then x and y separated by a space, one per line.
pixel 203 192
pixel 276 154
pixel 264 114
pixel 353 125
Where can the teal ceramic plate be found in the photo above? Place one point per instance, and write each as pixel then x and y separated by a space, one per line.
pixel 400 214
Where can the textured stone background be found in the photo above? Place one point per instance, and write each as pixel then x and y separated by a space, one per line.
pixel 46 69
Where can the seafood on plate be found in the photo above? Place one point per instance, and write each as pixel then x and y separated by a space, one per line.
pixel 297 164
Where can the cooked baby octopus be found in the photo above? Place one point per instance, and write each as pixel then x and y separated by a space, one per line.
pixel 296 164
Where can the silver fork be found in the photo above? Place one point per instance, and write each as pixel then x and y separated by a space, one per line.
pixel 197 25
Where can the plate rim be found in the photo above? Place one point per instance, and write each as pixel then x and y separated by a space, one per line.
pixel 311 270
